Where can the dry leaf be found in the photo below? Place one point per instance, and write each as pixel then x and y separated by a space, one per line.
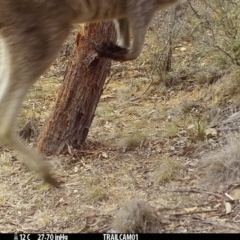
pixel 192 209
pixel 104 155
pixel 192 126
pixel 235 193
pixel 211 132
pixel 228 207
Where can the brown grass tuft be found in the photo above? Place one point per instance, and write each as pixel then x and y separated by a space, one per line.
pixel 223 166
pixel 137 217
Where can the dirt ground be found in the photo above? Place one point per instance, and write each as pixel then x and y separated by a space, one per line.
pixel 144 147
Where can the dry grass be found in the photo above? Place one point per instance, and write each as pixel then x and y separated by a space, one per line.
pixel 223 166
pixel 137 217
pixel 230 83
pixel 166 170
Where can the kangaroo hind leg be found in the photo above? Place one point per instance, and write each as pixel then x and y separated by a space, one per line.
pixel 23 58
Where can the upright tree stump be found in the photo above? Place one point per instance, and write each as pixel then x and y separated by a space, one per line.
pixel 71 118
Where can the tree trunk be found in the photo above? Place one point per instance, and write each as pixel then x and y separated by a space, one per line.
pixel 71 118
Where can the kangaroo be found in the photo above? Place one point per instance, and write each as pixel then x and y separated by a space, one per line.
pixel 31 35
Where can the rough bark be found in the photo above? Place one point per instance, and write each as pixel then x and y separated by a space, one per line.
pixel 71 118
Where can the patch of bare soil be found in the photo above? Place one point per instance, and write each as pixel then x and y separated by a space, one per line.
pixel 141 169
